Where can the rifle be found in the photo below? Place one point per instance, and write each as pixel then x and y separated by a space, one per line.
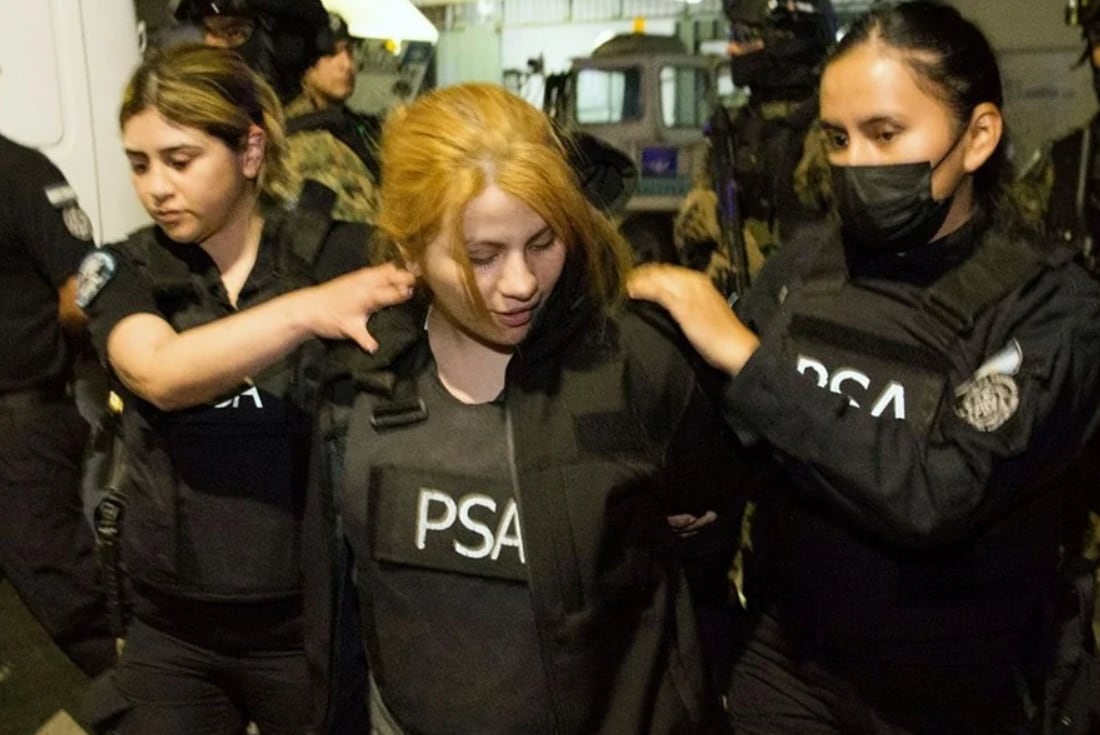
pixel 723 152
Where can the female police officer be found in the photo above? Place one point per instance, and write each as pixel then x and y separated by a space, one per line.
pixel 216 358
pixel 921 375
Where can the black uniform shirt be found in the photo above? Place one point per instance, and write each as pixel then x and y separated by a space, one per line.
pixel 43 238
pixel 239 463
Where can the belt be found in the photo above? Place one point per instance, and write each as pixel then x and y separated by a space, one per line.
pixel 27 398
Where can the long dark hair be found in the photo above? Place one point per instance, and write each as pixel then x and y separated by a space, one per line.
pixel 952 61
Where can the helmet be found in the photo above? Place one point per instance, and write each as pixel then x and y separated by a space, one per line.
pixel 288 35
pixel 815 19
pixel 338 28
pixel 795 36
pixel 1082 13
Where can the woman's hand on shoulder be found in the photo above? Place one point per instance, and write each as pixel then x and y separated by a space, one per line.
pixel 701 311
pixel 340 308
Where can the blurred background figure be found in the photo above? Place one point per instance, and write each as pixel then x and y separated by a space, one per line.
pixel 326 87
pixel 1061 185
pixel 776 50
pixel 283 40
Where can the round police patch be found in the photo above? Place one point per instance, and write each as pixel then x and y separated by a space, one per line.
pixel 988 402
pixel 77 222
pixel 96 271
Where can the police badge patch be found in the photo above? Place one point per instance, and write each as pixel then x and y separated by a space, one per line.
pixel 63 197
pixel 988 402
pixel 77 223
pixel 96 271
pixel 990 397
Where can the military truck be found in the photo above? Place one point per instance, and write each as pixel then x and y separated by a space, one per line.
pixel 646 95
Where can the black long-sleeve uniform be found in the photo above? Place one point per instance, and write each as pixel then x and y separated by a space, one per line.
pixel 908 534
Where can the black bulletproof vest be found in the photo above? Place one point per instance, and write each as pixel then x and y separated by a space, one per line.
pixel 890 350
pixel 214 493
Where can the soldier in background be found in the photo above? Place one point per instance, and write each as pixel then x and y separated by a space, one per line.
pixel 776 50
pixel 282 39
pixel 1060 187
pixel 326 87
pixel 1060 190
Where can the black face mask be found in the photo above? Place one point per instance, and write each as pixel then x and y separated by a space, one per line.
pixel 889 208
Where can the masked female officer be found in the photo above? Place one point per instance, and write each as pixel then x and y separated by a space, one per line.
pixel 503 481
pixel 209 320
pixel 922 376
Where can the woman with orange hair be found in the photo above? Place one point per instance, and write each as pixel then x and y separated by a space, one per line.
pixel 503 479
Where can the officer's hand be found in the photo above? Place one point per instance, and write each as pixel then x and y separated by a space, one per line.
pixel 343 305
pixel 686 524
pixel 702 313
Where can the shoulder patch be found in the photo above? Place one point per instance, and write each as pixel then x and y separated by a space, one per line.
pixel 62 196
pixel 77 222
pixel 96 271
pixel 990 397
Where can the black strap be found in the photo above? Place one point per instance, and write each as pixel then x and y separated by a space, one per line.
pixel 998 266
pixel 302 231
pixel 950 306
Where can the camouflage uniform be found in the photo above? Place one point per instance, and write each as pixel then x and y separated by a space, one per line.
pixel 780 166
pixel 798 192
pixel 1060 191
pixel 321 156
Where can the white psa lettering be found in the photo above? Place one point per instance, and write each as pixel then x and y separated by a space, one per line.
pixel 438 511
pixel 424 523
pixel 235 401
pixel 892 396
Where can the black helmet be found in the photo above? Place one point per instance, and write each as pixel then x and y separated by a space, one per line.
pixel 1082 13
pixel 288 35
pixel 338 28
pixel 796 36
pixel 813 18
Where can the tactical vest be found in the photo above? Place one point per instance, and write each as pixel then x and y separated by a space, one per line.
pixel 890 350
pixel 896 353
pixel 214 493
pixel 594 535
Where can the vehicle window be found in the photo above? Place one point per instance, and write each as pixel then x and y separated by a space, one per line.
pixel 685 94
pixel 609 95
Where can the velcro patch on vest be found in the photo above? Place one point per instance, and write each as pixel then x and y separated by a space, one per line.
pixel 884 377
pixel 448 523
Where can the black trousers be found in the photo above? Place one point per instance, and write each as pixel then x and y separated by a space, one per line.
pixel 169 686
pixel 786 684
pixel 47 550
